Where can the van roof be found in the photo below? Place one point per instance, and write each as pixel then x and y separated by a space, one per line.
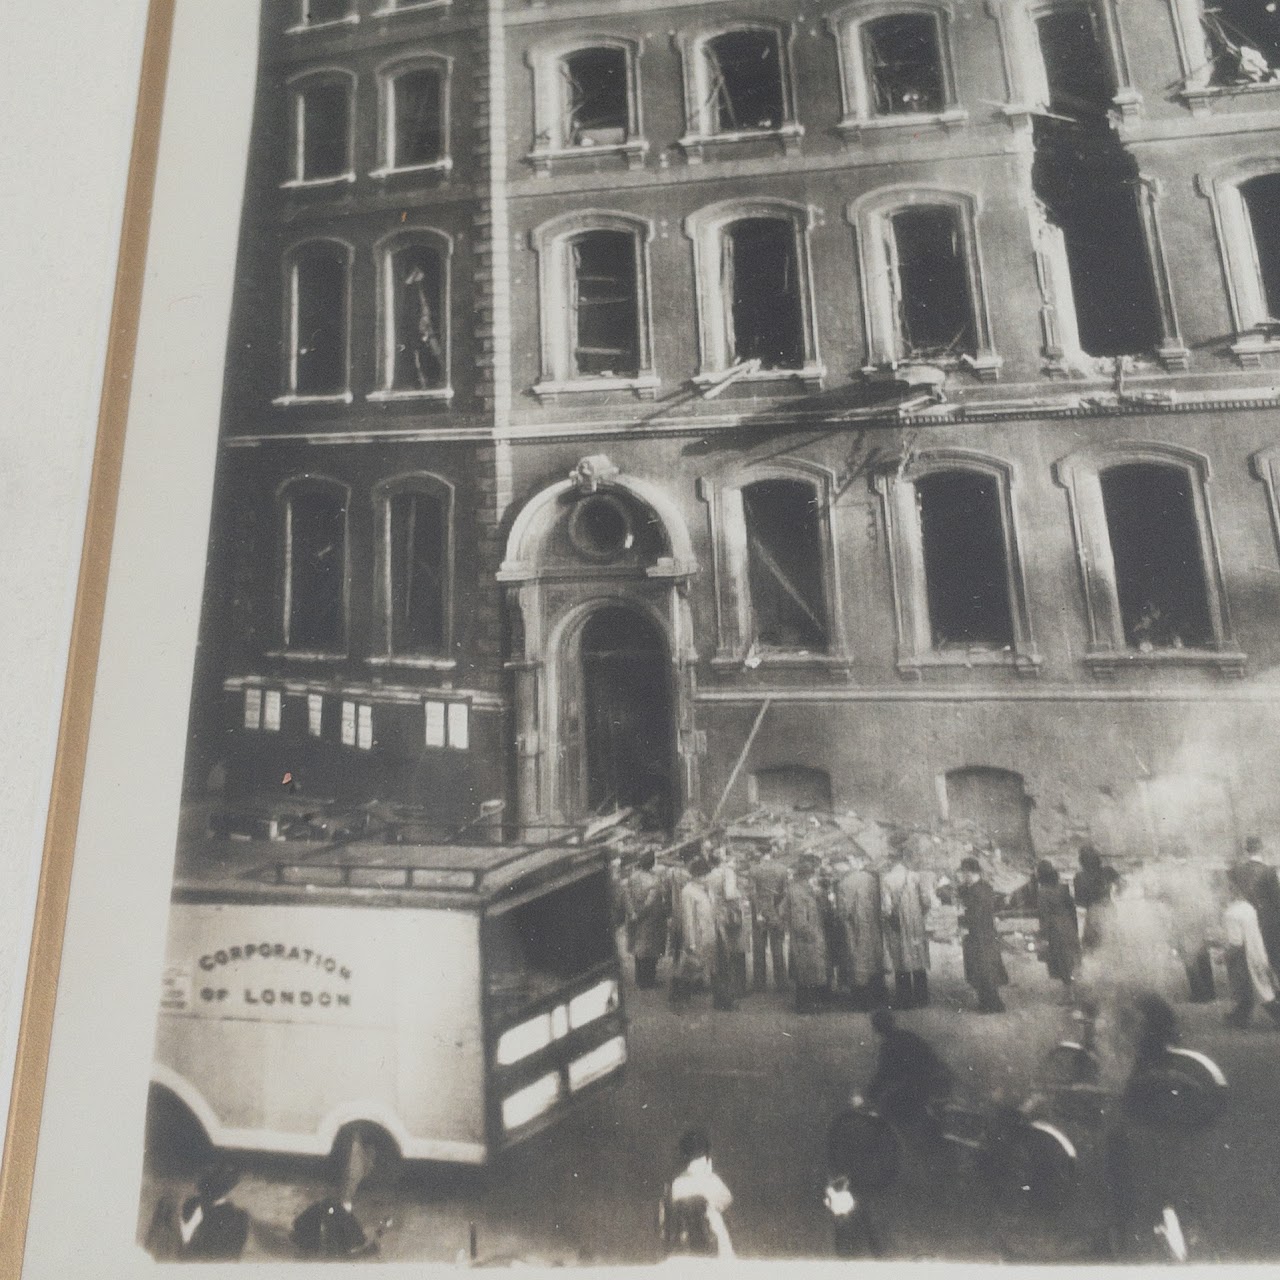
pixel 454 875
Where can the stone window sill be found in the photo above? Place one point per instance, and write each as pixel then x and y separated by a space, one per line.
pixel 811 375
pixel 695 145
pixel 420 663
pixel 343 397
pixel 394 396
pixel 443 165
pixel 347 20
pixel 1106 664
pixel 543 159
pixel 305 655
pixel 1023 663
pixel 854 126
pixel 644 386
pixel 311 184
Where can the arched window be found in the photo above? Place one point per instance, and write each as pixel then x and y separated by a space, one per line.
pixel 415 516
pixel 1155 546
pixel 595 304
pixel 784 559
pixel 415 318
pixel 754 290
pixel 322 13
pixel 317 309
pixel 415 116
pixel 958 589
pixel 1148 558
pixel 923 293
pixel 322 127
pixel 314 565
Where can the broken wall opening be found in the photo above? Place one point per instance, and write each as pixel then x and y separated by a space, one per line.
pixel 760 280
pixel 1089 188
pixel 744 73
pixel 1155 544
pixel 994 802
pixel 965 560
pixel 784 565
pixel 604 304
pixel 904 64
pixel 595 97
pixel 930 273
pixel 791 786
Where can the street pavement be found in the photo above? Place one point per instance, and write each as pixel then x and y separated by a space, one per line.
pixel 764 1081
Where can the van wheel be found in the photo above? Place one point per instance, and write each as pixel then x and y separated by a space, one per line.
pixel 364 1154
pixel 176 1142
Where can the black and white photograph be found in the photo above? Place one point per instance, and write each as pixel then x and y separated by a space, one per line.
pixel 735 703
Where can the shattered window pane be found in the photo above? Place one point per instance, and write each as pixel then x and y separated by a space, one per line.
pixel 931 277
pixel 318 11
pixel 419 136
pixel 965 560
pixel 1244 41
pixel 1262 199
pixel 316 531
pixel 784 564
pixel 605 311
pixel 320 352
pixel 595 93
pixel 1074 63
pixel 760 279
pixel 745 81
pixel 325 131
pixel 904 64
pixel 419 359
pixel 418 538
pixel 1155 543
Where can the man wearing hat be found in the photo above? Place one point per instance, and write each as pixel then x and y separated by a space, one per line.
pixel 984 967
pixel 807 929
pixel 211 1226
pixel 697 935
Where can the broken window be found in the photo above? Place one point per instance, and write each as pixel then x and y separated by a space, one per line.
pixel 418 114
pixel 314 12
pixel 1244 41
pixel 965 560
pixel 1090 189
pixel 418 319
pixel 904 64
pixel 324 131
pixel 929 275
pixel 1075 63
pixel 595 98
pixel 315 567
pixel 319 323
pixel 1262 199
pixel 791 786
pixel 744 82
pixel 1155 543
pixel 785 564
pixel 604 306
pixel 760 283
pixel 417 533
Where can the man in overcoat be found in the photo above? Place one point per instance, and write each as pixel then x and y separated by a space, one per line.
pixel 1262 888
pixel 806 927
pixel 858 901
pixel 984 967
pixel 767 887
pixel 647 908
pixel 905 904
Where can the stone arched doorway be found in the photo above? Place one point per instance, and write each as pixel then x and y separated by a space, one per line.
pixel 601 659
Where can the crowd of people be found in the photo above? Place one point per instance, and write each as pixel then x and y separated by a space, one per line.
pixel 854 932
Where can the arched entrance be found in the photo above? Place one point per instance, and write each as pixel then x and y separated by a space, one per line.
pixel 628 732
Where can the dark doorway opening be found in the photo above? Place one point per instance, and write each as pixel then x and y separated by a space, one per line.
pixel 629 727
pixel 994 803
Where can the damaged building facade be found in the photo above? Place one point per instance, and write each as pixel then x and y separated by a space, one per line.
pixel 690 406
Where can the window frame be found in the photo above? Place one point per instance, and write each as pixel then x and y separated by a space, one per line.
pixel 292 257
pixel 384 251
pixel 303 23
pixel 1079 473
pixel 896 488
pixel 550 242
pixel 1198 91
pixel 871 217
pixel 705 228
pixel 284 576
pixel 297 86
pixel 387 74
pixel 435 486
pixel 1237 251
pixel 699 133
pixel 390 7
pixel 857 111
pixel 550 149
pixel 730 565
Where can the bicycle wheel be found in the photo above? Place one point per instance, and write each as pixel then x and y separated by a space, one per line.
pixel 863 1147
pixel 1030 1163
pixel 1067 1064
pixel 1185 1090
